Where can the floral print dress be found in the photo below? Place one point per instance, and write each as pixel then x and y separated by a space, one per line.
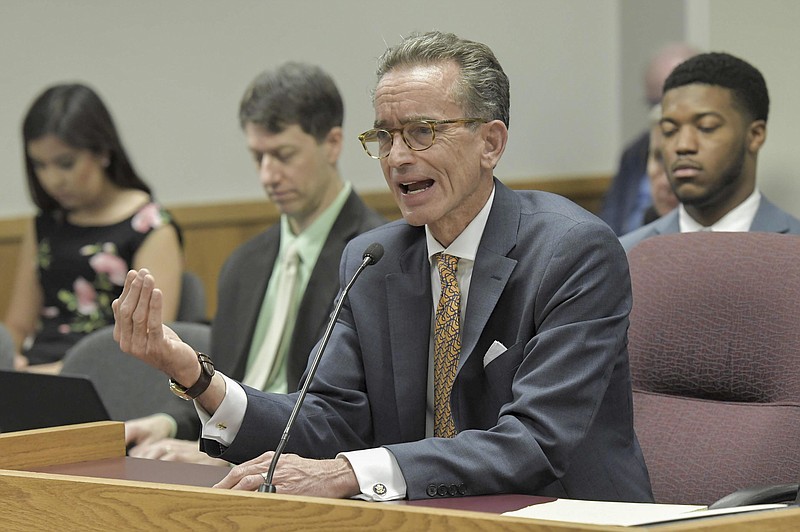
pixel 82 270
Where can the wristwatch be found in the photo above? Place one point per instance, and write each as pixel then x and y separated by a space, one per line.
pixel 206 372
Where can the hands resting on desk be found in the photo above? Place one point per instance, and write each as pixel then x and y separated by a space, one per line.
pixel 293 475
pixel 175 451
pixel 149 437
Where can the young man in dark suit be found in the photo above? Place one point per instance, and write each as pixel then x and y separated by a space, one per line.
pixel 714 123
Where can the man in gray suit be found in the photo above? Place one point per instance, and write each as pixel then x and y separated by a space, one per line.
pixel 714 122
pixel 292 119
pixel 531 394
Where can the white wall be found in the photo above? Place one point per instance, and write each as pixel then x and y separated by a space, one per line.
pixel 765 33
pixel 645 26
pixel 172 73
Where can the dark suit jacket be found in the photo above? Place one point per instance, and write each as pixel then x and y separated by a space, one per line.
pixel 622 194
pixel 769 219
pixel 242 285
pixel 550 416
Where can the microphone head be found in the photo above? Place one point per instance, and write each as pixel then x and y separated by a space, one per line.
pixel 374 252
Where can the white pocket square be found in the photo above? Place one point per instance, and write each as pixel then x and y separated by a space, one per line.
pixel 494 351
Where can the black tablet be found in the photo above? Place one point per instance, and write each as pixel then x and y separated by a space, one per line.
pixel 35 401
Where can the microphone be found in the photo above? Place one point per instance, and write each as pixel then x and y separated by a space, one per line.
pixel 371 256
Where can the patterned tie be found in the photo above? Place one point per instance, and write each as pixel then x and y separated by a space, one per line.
pixel 266 363
pixel 446 346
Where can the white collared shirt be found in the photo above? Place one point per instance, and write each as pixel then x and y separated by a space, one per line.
pixel 739 219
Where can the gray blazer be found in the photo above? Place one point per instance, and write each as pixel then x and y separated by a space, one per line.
pixel 242 285
pixel 769 219
pixel 551 415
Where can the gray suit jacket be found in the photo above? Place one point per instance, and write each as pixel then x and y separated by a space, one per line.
pixel 551 415
pixel 242 285
pixel 769 219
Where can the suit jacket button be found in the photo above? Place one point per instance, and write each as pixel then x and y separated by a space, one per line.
pixel 453 490
pixel 431 490
pixel 442 491
pixel 462 489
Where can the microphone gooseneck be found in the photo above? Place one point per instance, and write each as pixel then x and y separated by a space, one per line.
pixel 371 256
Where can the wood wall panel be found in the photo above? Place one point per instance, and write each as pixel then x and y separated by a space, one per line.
pixel 212 231
pixel 11 232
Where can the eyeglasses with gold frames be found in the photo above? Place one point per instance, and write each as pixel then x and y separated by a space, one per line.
pixel 418 135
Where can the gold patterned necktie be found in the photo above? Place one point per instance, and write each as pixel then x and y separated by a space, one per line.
pixel 446 346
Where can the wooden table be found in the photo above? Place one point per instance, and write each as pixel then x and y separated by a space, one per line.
pixel 78 478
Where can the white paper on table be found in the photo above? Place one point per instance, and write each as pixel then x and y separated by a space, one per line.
pixel 624 513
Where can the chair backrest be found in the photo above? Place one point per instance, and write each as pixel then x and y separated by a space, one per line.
pixel 7 350
pixel 128 387
pixel 192 306
pixel 714 347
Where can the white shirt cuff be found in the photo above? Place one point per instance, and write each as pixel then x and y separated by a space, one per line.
pixel 379 477
pixel 224 425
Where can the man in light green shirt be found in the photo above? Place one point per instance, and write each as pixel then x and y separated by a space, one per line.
pixel 308 246
pixel 292 121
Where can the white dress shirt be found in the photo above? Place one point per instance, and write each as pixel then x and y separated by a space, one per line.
pixel 739 219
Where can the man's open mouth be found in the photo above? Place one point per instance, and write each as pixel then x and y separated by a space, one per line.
pixel 416 186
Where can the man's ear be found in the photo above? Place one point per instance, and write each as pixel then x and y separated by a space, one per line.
pixel 495 137
pixel 756 136
pixel 333 145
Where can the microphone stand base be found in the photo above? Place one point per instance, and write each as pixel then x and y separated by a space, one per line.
pixel 267 488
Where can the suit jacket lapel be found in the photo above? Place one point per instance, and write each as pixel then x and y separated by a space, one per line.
pixel 318 298
pixel 667 224
pixel 408 296
pixel 326 269
pixel 492 267
pixel 769 218
pixel 251 297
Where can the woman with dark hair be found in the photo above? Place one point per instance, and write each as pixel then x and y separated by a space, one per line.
pixel 96 220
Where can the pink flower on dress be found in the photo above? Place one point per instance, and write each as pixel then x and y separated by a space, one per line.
pixel 109 263
pixel 86 296
pixel 148 217
pixel 64 328
pixel 50 312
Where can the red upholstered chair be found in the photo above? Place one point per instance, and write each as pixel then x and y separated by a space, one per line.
pixel 714 345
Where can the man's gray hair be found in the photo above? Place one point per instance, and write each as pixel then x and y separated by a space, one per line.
pixel 482 91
